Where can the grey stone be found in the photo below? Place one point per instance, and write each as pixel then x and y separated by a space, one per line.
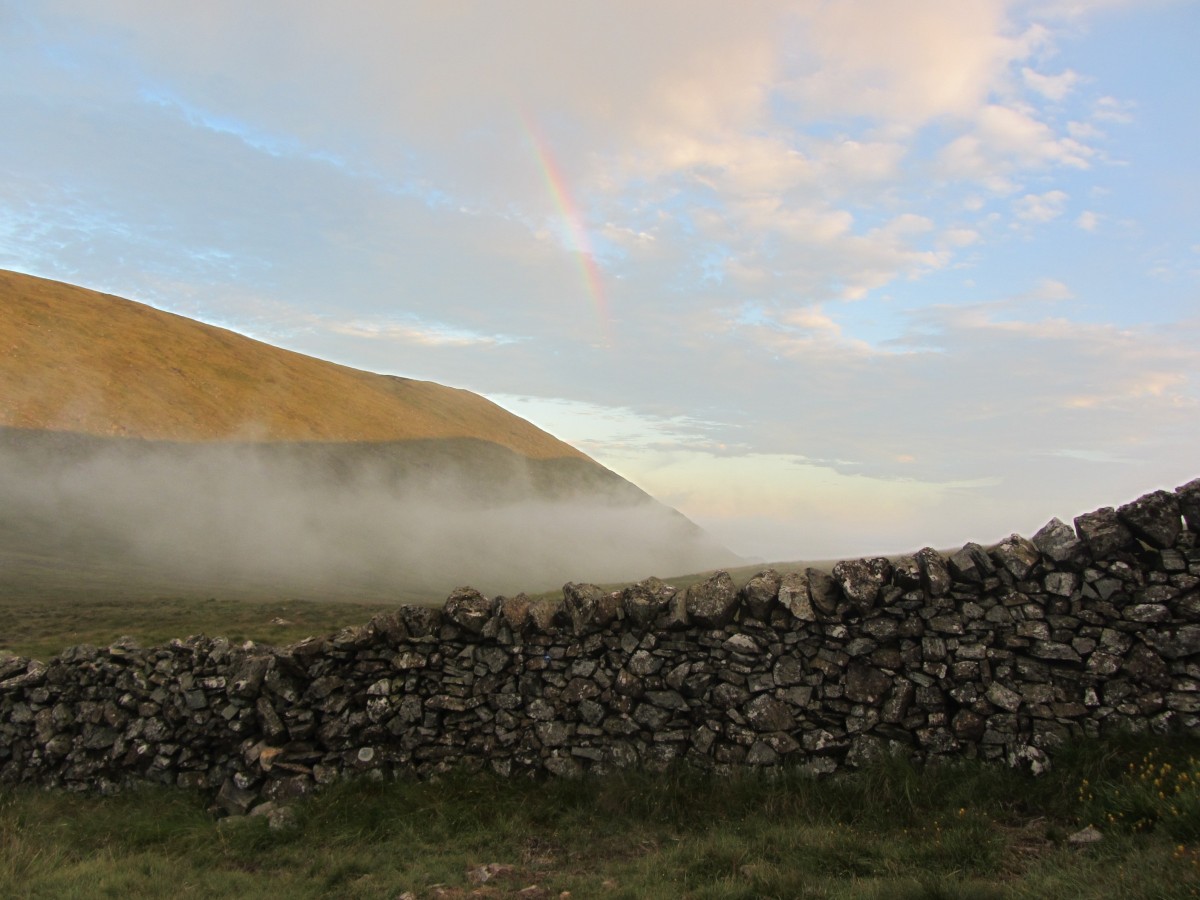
pixel 1061 584
pixel 645 601
pixel 765 713
pixel 862 580
pixel 761 593
pixel 907 572
pixel 935 575
pixel 866 684
pixel 793 596
pixel 1189 503
pixel 1017 555
pixel 468 609
pixel 823 591
pixel 712 602
pixel 1058 541
pixel 1103 532
pixel 1154 517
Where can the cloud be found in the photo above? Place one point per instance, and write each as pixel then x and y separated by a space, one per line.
pixel 906 63
pixel 434 334
pixel 1052 87
pixel 1087 220
pixel 1041 207
pixel 1112 109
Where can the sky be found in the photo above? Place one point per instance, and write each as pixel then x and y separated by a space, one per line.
pixel 831 278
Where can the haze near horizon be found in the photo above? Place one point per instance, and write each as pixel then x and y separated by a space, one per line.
pixel 831 279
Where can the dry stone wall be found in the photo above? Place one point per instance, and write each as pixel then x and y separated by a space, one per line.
pixel 999 653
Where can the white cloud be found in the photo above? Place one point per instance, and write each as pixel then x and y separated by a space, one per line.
pixel 432 334
pixel 1111 109
pixel 960 237
pixel 1053 87
pixel 1041 207
pixel 907 62
pixel 1088 220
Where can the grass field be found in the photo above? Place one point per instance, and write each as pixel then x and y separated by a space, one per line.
pixel 956 831
pixel 43 613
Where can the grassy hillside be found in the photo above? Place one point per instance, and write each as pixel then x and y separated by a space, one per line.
pixel 77 360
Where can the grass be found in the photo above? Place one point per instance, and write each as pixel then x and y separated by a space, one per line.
pixel 962 830
pixel 44 610
pixel 37 629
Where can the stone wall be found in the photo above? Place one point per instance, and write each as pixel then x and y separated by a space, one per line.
pixel 999 653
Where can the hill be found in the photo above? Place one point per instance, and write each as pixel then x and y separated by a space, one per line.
pixel 81 361
pixel 144 451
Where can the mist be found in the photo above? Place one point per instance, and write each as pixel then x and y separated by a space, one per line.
pixel 330 520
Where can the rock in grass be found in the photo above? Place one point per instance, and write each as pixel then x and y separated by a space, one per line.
pixel 1085 836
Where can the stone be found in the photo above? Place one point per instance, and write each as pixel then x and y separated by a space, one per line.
pixel 1154 518
pixel 1004 697
pixel 546 614
pixel 964 566
pixel 1102 532
pixel 861 580
pixel 233 800
pixel 584 605
pixel 866 684
pixel 489 872
pixel 419 621
pixel 823 592
pixel 761 593
pixel 1058 541
pixel 765 713
pixel 468 609
pixel 907 572
pixel 1017 555
pixel 793 596
pixel 645 601
pixel 1189 503
pixel 935 575
pixel 1085 836
pixel 1061 584
pixel 1054 650
pixel 713 602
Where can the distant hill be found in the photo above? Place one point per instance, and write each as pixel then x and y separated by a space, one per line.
pixel 145 449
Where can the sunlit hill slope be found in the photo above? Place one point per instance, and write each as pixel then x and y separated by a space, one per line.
pixel 145 449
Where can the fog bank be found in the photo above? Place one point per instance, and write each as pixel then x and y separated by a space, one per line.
pixel 332 518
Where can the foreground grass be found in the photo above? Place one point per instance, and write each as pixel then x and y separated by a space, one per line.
pixel 962 830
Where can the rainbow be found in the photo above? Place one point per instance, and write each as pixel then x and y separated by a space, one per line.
pixel 571 214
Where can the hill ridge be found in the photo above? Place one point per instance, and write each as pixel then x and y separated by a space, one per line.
pixel 74 359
